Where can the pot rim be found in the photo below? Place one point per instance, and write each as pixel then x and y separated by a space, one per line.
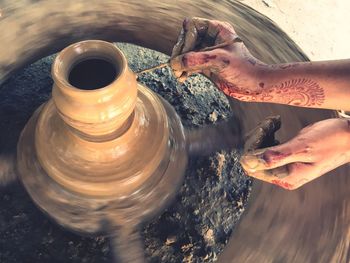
pixel 60 70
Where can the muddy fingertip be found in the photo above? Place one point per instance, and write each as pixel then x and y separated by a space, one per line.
pixel 176 65
pixel 250 163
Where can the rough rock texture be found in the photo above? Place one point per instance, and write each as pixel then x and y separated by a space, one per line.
pixel 194 229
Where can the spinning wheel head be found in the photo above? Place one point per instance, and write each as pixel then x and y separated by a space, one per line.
pixel 105 151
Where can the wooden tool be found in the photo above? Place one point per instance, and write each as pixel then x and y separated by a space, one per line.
pixel 221 45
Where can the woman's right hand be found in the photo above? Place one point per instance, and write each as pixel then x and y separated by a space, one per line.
pixel 231 67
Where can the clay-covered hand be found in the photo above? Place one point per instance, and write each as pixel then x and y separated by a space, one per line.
pixel 230 66
pixel 316 150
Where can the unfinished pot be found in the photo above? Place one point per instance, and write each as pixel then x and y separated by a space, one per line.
pixel 105 153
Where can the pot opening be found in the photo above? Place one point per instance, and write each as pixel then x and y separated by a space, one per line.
pixel 93 73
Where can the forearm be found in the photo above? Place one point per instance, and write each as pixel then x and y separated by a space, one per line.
pixel 324 84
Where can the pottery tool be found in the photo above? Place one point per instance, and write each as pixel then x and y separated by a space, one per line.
pixel 221 45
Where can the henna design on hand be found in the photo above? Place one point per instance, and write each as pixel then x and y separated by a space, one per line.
pixel 296 92
pixel 299 92
pixel 234 91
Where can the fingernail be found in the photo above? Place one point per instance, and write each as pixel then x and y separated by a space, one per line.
pixel 251 162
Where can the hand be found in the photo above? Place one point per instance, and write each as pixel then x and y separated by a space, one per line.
pixel 232 68
pixel 316 150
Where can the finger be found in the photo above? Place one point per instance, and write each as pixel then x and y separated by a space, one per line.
pixel 179 44
pixel 269 175
pixel 189 36
pixel 198 61
pixel 302 173
pixel 290 176
pixel 195 31
pixel 221 32
pixel 201 25
pixel 299 174
pixel 268 158
pixel 263 134
pixel 193 62
pixel 200 32
pixel 214 29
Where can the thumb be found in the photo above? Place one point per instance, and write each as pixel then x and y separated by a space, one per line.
pixel 194 62
pixel 277 156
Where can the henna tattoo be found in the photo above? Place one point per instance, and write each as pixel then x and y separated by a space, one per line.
pixel 299 92
pixel 296 92
pixel 236 92
pixel 198 60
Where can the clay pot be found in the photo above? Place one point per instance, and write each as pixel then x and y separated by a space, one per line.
pixel 105 154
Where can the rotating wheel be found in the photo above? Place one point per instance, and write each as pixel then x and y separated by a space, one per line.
pixel 308 225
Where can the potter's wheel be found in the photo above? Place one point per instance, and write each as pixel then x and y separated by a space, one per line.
pixel 308 225
pixel 197 225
